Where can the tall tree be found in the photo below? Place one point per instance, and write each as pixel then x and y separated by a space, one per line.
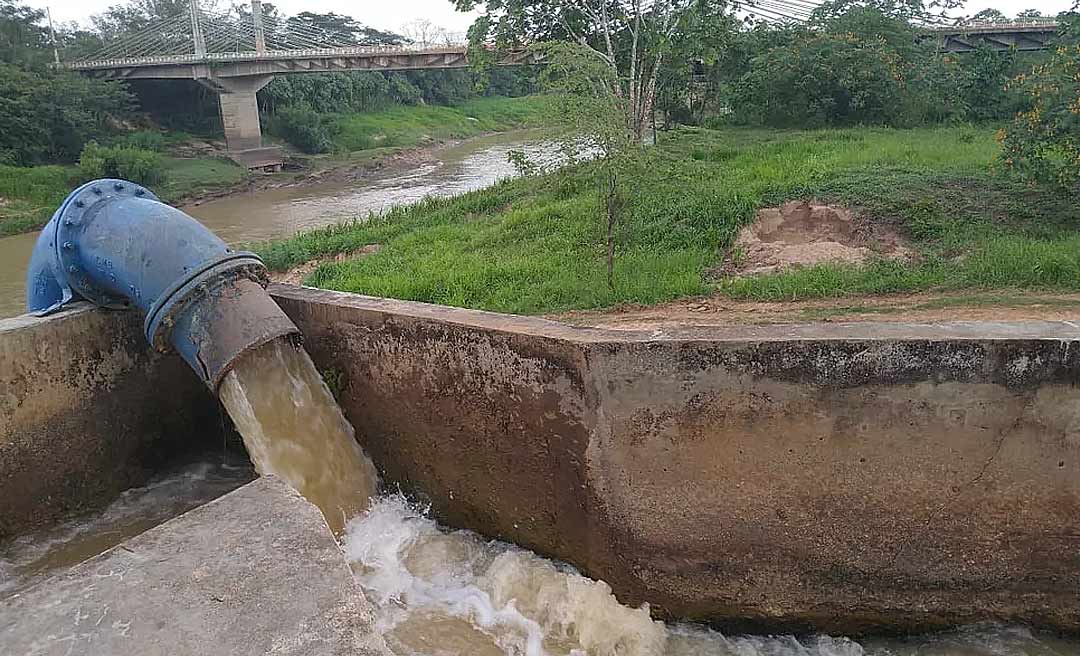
pixel 633 39
pixel 23 36
pixel 339 28
pixel 989 16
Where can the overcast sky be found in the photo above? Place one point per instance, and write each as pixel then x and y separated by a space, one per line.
pixel 393 14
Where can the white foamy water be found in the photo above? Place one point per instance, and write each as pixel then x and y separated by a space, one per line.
pixel 440 592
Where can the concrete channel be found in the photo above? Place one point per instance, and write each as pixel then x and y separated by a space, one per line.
pixel 828 477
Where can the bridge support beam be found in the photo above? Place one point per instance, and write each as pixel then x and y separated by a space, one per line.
pixel 240 119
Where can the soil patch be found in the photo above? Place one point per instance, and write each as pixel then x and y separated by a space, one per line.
pixel 804 233
pixel 297 274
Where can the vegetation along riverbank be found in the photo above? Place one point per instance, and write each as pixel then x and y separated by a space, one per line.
pixel 534 245
pixel 182 168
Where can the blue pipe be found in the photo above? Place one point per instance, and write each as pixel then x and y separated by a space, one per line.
pixel 113 243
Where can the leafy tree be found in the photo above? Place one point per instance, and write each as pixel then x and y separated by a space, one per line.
pixel 1043 143
pixel 633 39
pixel 338 28
pixel 1030 16
pixel 23 38
pixel 822 79
pixel 587 102
pixel 49 116
pixel 989 16
pixel 137 15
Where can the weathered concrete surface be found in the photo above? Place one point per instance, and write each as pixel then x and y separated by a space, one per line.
pixel 835 477
pixel 86 411
pixel 253 572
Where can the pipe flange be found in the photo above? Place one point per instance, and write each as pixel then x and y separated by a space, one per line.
pixel 71 221
pixel 236 265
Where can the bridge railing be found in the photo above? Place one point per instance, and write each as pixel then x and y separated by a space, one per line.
pixel 269 55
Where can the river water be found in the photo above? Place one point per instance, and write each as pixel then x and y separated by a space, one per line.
pixel 273 213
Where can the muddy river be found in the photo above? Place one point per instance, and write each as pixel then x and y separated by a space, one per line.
pixel 272 213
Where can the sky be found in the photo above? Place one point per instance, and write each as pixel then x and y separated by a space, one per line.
pixel 394 14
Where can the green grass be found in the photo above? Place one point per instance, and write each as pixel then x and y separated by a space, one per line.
pixel 410 126
pixel 186 178
pixel 29 195
pixel 536 245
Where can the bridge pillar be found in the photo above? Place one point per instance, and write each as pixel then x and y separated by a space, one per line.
pixel 240 119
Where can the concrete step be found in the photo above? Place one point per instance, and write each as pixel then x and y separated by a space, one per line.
pixel 268 158
pixel 254 572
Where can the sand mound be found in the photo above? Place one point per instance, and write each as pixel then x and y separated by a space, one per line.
pixel 804 233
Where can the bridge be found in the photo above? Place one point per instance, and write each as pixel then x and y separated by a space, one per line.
pixel 998 36
pixel 236 55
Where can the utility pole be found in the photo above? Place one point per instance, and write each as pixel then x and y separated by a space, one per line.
pixel 196 30
pixel 52 37
pixel 257 19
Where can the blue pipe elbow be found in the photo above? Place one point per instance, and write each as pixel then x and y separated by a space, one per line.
pixel 113 243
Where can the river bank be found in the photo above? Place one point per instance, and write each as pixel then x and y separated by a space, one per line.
pixel 282 206
pixel 919 210
pixel 197 170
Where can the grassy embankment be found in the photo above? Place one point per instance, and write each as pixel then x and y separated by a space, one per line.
pixel 536 245
pixel 29 195
pixel 404 127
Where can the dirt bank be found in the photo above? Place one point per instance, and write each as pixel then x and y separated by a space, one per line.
pixel 323 171
pixel 923 307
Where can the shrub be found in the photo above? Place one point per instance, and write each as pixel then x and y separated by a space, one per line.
pixel 49 116
pixel 304 128
pixel 141 166
pixel 1043 143
pixel 144 140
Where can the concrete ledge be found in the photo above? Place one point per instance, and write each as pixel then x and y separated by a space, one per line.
pixel 254 572
pixel 86 411
pixel 831 477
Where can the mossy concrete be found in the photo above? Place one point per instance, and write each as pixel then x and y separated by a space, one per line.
pixel 837 477
pixel 254 572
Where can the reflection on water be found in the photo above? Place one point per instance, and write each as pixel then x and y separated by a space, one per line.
pixel 272 213
pixel 28 558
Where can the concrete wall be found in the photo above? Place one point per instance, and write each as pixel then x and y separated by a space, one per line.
pixel 836 477
pixel 86 411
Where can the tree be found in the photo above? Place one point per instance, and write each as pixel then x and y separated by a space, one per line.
pixel 342 29
pixel 824 79
pixel 586 101
pixel 23 38
pixel 425 33
pixel 1030 16
pixel 989 16
pixel 48 116
pixel 632 38
pixel 1043 143
pixel 137 15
